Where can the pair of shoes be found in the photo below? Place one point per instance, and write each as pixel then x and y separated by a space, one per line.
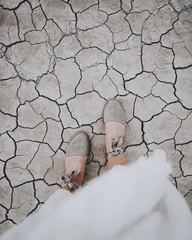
pixel 79 147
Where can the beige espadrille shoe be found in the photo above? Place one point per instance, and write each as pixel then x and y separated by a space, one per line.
pixel 77 154
pixel 115 124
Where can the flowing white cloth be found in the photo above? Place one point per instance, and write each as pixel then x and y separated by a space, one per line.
pixel 132 202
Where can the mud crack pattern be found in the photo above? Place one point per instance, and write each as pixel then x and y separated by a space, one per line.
pixel 59 63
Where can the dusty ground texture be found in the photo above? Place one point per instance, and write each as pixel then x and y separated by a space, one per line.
pixel 59 63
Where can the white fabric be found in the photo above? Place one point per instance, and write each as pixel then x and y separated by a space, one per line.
pixel 132 202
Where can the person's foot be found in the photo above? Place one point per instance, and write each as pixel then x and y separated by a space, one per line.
pixel 77 154
pixel 113 130
pixel 115 124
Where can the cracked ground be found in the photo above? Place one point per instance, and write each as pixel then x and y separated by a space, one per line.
pixel 59 63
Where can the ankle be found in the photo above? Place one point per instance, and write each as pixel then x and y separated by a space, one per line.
pixel 68 189
pixel 116 160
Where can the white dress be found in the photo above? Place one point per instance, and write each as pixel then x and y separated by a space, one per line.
pixel 132 202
